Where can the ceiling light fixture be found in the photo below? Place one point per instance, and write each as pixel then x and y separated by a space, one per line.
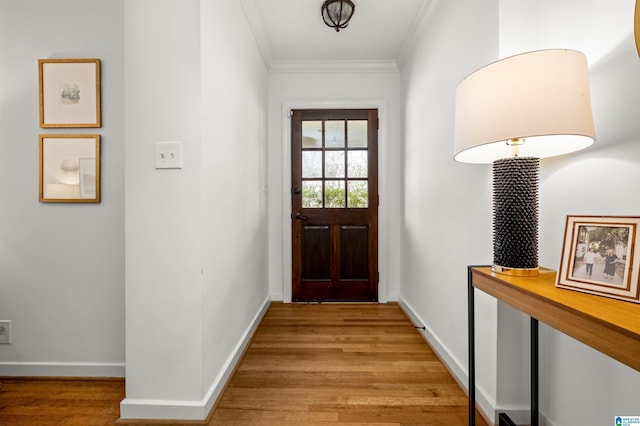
pixel 337 13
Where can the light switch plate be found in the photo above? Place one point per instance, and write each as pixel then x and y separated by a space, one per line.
pixel 168 155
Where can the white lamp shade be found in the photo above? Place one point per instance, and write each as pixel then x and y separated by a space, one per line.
pixel 542 97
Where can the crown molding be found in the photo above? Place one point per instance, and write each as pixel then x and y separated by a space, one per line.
pixel 417 29
pixel 345 66
pixel 256 27
pixel 340 66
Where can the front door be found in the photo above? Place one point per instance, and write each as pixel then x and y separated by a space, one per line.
pixel 334 194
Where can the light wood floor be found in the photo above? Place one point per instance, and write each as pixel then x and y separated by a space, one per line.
pixel 340 363
pixel 48 401
pixel 355 364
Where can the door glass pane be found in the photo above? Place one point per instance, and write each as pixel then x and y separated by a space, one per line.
pixel 358 196
pixel 357 167
pixel 311 164
pixel 334 194
pixel 357 133
pixel 334 133
pixel 312 134
pixel 312 194
pixel 334 164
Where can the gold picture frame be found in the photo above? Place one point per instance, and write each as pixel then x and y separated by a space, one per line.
pixel 69 169
pixel 600 256
pixel 69 93
pixel 636 26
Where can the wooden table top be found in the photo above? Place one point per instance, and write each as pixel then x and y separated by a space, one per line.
pixel 609 325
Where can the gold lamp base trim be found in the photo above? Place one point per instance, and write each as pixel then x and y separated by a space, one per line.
pixel 516 272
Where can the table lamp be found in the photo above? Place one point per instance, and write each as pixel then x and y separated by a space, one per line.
pixel 512 113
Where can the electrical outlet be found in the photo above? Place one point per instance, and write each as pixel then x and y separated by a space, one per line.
pixel 5 331
pixel 168 155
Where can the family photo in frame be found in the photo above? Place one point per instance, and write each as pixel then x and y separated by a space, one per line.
pixel 599 256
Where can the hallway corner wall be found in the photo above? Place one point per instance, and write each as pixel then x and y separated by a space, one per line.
pixel 196 236
pixel 62 265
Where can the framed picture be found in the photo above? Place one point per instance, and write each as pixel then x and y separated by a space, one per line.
pixel 69 168
pixel 69 92
pixel 600 255
pixel 636 26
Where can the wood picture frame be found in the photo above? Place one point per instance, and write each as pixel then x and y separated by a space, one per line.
pixel 636 26
pixel 69 93
pixel 601 255
pixel 69 169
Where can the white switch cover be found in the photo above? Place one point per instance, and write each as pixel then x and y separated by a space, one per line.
pixel 168 155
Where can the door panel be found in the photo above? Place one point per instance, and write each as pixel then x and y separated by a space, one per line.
pixel 316 242
pixel 334 205
pixel 354 253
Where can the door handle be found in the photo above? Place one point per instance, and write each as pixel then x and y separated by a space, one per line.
pixel 300 217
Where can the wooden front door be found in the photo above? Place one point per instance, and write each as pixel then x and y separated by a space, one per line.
pixel 334 193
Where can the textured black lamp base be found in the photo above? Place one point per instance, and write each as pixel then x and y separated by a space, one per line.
pixel 515 215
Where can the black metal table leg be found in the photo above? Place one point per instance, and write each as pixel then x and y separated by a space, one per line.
pixel 504 419
pixel 472 349
pixel 534 372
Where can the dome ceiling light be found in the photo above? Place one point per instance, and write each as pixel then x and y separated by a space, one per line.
pixel 337 13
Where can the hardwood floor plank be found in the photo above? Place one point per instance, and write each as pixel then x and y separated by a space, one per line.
pixel 275 417
pixel 348 364
pixel 60 401
pixel 316 364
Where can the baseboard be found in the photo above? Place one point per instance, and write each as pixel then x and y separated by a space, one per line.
pixel 218 386
pixel 486 406
pixel 518 415
pixel 393 297
pixel 62 369
pixel 163 410
pixel 522 415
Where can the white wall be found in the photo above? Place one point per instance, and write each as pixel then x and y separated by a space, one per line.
pixel 603 31
pixel 234 174
pixel 163 207
pixel 578 384
pixel 446 223
pixel 61 265
pixel 379 89
pixel 196 237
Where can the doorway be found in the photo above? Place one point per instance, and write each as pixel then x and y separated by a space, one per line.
pixel 334 199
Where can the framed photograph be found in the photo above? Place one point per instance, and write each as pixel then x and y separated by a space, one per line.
pixel 69 92
pixel 600 255
pixel 636 26
pixel 69 168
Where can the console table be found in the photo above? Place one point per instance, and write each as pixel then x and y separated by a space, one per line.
pixel 608 325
